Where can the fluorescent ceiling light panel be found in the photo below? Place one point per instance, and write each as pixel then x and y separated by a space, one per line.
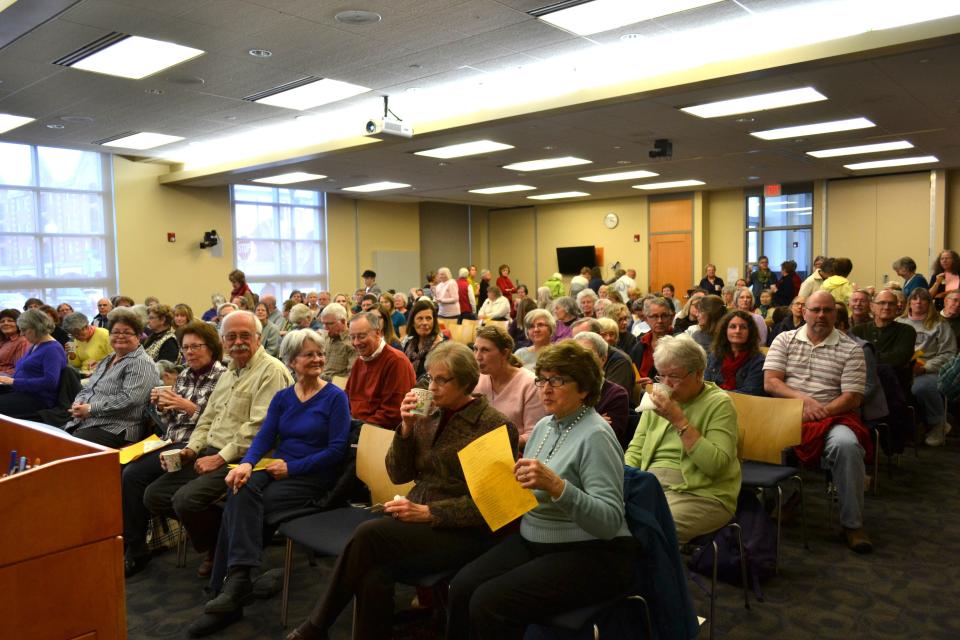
pixel 547 163
pixel 669 185
pixel 136 57
pixel 313 94
pixel 377 186
pixel 814 129
pixel 760 102
pixel 142 141
pixel 507 188
pixel 464 149
pixel 893 162
pixel 863 148
pixel 558 195
pixel 604 15
pixel 623 175
pixel 6 3
pixel 290 178
pixel 8 121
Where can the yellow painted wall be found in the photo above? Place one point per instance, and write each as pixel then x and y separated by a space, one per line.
pixel 724 223
pixel 145 212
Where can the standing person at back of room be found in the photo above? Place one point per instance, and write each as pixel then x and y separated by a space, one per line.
pixel 837 285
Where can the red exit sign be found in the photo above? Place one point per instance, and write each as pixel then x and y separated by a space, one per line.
pixel 771 190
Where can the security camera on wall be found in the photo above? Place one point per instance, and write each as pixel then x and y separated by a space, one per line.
pixel 212 241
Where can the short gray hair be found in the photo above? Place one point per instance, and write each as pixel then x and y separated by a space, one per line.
pixel 332 311
pixel 586 293
pixel 459 361
pixel 141 310
pixel 537 314
pixel 590 323
pixel 39 322
pixel 463 272
pixel 300 312
pixel 729 288
pixel 292 344
pixel 226 304
pixel 680 350
pixel 741 291
pixel 569 305
pixel 73 322
pixel 165 366
pixel 371 318
pixel 445 270
pixel 656 300
pixel 240 313
pixel 595 341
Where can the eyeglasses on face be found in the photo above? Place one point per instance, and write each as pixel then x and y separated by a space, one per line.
pixel 553 381
pixel 233 337
pixel 123 334
pixel 187 348
pixel 440 380
pixel 667 378
pixel 824 310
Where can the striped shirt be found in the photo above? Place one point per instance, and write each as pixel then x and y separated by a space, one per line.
pixel 822 371
pixel 118 394
pixel 197 389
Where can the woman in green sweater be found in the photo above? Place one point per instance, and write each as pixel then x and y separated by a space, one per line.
pixel 574 548
pixel 689 441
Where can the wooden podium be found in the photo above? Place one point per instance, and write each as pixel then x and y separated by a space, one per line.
pixel 61 551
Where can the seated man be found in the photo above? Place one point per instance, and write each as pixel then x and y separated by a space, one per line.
pixel 614 404
pixel 340 353
pixel 618 367
pixel 827 371
pixel 381 376
pixel 234 413
pixel 103 308
pixel 91 344
pixel 892 340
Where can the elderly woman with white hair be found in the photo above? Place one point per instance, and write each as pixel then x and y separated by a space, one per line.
pixel 544 297
pixel 689 441
pixel 447 295
pixel 566 313
pixel 495 307
pixel 36 376
pixel 305 433
pixel 586 301
pixel 301 317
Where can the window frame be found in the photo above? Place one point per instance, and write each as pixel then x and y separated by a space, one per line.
pixel 761 228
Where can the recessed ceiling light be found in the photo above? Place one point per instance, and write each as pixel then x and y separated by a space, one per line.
pixel 863 148
pixel 8 121
pixel 143 140
pixel 290 178
pixel 631 37
pixel 558 195
pixel 668 185
pixel 312 93
pixel 623 175
pixel 358 17
pixel 507 188
pixel 893 162
pixel 464 149
pixel 547 163
pixel 814 129
pixel 260 53
pixel 56 126
pixel 377 186
pixel 759 102
pixel 603 15
pixel 136 57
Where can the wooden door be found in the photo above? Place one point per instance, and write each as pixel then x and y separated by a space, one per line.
pixel 671 244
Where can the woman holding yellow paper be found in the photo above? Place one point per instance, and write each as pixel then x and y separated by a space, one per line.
pixel 574 548
pixel 307 427
pixel 437 527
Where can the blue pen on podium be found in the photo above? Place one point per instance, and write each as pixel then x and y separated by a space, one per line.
pixel 13 462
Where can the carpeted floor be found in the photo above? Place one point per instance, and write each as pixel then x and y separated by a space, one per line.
pixel 906 589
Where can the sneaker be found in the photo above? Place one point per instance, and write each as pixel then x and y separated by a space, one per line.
pixel 857 540
pixel 936 436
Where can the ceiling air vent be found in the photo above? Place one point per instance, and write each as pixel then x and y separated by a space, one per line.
pixel 112 138
pixel 88 50
pixel 281 88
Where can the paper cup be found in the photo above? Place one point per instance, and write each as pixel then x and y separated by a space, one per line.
pixel 171 460
pixel 424 403
pixel 646 402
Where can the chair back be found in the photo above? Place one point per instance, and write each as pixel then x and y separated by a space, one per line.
pixel 767 426
pixel 469 330
pixel 371 464
pixel 504 324
pixel 460 333
pixel 339 381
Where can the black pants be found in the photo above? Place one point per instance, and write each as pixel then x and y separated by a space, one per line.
pixel 18 404
pixel 520 582
pixel 380 553
pixel 102 437
pixel 134 480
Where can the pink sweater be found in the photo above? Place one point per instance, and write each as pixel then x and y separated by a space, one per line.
pixel 518 401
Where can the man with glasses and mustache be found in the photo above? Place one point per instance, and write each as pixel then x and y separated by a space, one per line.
pixel 103 308
pixel 381 375
pixel 827 371
pixel 234 413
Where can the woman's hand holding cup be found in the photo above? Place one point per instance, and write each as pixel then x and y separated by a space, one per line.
pixel 414 407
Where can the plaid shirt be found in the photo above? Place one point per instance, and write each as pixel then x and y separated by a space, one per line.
pixel 197 389
pixel 118 394
pixel 340 356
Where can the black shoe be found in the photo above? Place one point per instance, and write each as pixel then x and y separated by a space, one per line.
pixel 132 565
pixel 211 623
pixel 268 584
pixel 237 592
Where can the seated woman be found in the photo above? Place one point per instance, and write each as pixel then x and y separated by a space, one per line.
pixel 495 307
pixel 619 313
pixel 12 345
pixel 689 313
pixel 423 334
pixel 689 441
pixel 586 301
pixel 566 313
pixel 270 334
pixel 735 362
pixel 63 310
pixel 301 317
pixel 710 311
pixel 397 319
pixel 58 333
pixel 162 343
pixel 36 377
pixel 109 409
pixel 400 307
pixel 210 314
pixel 729 294
pixel 516 327
pixel 540 327
pixel 178 408
pixel 791 321
pixel 938 344
pixel 745 302
pixel 574 548
pixel 306 432
pixel 182 315
pixel 505 382
pixel 90 344
pixel 437 526
pixel 386 321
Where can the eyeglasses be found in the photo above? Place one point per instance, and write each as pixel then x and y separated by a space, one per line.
pixel 310 355
pixel 553 381
pixel 669 377
pixel 187 348
pixel 358 337
pixel 123 334
pixel 824 310
pixel 440 380
pixel 233 337
pixel 540 325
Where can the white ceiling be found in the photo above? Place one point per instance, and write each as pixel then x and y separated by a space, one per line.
pixel 910 91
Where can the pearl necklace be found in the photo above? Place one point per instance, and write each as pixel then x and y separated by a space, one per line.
pixel 563 436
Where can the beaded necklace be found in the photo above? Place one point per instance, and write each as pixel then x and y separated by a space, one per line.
pixel 563 436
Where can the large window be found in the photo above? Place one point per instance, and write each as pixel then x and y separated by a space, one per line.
pixel 280 239
pixel 56 227
pixel 781 228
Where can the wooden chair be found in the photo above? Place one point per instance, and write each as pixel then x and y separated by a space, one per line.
pixel 340 381
pixel 470 330
pixel 500 323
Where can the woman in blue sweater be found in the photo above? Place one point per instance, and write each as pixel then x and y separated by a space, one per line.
pixel 574 548
pixel 307 428
pixel 36 378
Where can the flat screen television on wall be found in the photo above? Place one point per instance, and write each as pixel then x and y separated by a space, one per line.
pixel 571 259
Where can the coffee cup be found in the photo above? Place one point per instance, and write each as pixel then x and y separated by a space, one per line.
pixel 647 402
pixel 171 460
pixel 424 402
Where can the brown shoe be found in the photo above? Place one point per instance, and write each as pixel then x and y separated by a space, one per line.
pixel 857 540
pixel 206 567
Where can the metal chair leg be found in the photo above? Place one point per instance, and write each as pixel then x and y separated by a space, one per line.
pixel 181 547
pixel 646 613
pixel 876 462
pixel 743 564
pixel 285 597
pixel 713 587
pixel 803 512
pixel 776 565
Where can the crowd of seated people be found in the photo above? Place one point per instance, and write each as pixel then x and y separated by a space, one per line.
pixel 564 376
